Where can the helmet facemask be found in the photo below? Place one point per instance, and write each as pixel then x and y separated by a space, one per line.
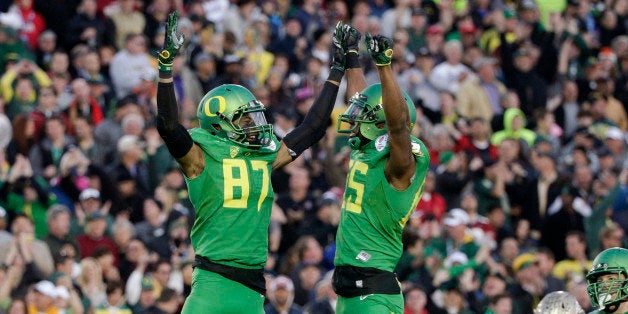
pixel 365 118
pixel 247 125
pixel 607 292
pixel 233 113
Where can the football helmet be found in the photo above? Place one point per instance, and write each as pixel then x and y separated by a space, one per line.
pixel 366 111
pixel 222 112
pixel 559 302
pixel 608 292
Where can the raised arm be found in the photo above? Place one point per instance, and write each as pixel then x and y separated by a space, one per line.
pixel 313 127
pixel 356 82
pixel 175 136
pixel 400 167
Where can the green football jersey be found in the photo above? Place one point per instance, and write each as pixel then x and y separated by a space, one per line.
pixel 373 212
pixel 233 198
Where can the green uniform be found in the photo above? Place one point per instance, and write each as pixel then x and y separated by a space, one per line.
pixel 233 198
pixel 373 217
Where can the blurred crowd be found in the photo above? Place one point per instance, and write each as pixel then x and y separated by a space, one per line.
pixel 522 104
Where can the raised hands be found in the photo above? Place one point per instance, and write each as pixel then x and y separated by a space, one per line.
pixel 380 48
pixel 338 60
pixel 172 43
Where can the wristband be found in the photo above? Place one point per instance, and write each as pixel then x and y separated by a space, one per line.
pixel 352 59
pixel 335 75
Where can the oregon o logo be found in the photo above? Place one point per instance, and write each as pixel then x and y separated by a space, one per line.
pixel 214 105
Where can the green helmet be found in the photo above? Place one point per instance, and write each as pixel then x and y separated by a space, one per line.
pixel 221 110
pixel 366 110
pixel 605 293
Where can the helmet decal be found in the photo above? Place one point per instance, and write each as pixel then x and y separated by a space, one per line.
pixel 214 105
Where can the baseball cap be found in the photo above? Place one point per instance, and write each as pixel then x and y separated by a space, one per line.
pixel 522 52
pixel 455 217
pixel 528 5
pixel 329 198
pixel 523 260
pixel 468 29
pixel 614 133
pixel 418 11
pixel 424 52
pixel 89 193
pixel 445 157
pixel 62 292
pixel 228 59
pixel 96 80
pixel 456 257
pixel 96 215
pixel 47 288
pixel 479 63
pixel 147 283
pixel 510 13
pixel 202 57
pixel 435 29
pixel 127 142
pixel 282 282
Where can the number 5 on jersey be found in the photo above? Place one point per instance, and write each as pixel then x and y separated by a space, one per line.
pixel 355 190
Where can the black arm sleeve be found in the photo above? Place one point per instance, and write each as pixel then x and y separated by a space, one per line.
pixel 175 136
pixel 315 123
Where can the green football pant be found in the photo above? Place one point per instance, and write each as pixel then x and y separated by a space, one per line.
pixel 372 304
pixel 214 294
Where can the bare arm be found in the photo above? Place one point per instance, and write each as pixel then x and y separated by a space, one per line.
pixel 400 166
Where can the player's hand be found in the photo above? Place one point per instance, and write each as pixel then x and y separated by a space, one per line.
pixel 380 48
pixel 338 60
pixel 173 41
pixel 351 39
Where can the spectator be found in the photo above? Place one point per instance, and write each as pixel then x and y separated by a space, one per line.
pixel 481 96
pixel 25 193
pixel 448 75
pixel 564 215
pixel 46 45
pixel 90 282
pixel 280 296
pixel 95 237
pixel 169 302
pixel 19 86
pixel 529 284
pixel 45 156
pixel 128 23
pixel 23 137
pixel 110 131
pixel 83 105
pixel 576 264
pixel 540 192
pixel 115 300
pixel 88 28
pixel 58 238
pixel 43 298
pixel 326 298
pixel 514 127
pixel 129 63
pixel 431 203
pixel 546 262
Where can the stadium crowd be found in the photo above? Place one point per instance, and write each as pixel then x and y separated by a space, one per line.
pixel 522 105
